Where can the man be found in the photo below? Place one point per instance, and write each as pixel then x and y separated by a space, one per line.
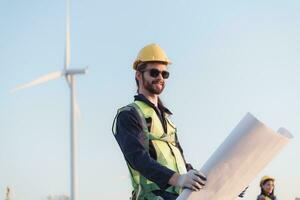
pixel 147 137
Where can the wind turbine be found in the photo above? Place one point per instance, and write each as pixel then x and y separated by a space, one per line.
pixel 69 74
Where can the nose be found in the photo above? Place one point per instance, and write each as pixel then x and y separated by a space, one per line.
pixel 160 77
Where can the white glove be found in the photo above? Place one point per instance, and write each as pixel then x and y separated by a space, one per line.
pixel 193 180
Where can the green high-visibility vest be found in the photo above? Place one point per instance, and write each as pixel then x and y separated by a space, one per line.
pixel 263 197
pixel 164 144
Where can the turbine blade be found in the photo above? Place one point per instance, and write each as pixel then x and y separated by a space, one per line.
pixel 68 48
pixel 40 80
pixel 68 80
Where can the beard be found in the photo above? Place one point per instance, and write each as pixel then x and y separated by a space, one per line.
pixel 154 87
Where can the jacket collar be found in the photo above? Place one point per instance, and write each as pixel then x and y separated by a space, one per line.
pixel 160 106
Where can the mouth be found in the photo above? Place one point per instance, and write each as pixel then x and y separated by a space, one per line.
pixel 158 83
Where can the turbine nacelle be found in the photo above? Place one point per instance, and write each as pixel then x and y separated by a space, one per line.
pixel 75 71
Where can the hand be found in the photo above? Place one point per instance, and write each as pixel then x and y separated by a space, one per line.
pixel 193 180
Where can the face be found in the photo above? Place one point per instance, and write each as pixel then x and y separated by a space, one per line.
pixel 151 79
pixel 268 186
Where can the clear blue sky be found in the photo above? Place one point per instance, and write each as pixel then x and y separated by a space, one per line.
pixel 229 58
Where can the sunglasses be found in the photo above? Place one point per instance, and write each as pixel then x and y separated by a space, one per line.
pixel 154 73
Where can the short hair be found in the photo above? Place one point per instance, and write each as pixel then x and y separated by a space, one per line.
pixel 140 68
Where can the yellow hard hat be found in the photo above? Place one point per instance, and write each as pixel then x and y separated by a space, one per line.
pixel 264 178
pixel 151 52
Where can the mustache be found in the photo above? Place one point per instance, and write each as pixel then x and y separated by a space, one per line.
pixel 158 81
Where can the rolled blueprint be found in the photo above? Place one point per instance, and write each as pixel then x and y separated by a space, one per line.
pixel 238 160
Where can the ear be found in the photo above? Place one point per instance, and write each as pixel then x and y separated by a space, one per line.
pixel 138 75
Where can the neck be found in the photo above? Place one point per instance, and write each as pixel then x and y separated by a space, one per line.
pixel 153 98
pixel 267 194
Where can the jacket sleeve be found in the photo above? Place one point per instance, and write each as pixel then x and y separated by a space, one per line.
pixel 129 134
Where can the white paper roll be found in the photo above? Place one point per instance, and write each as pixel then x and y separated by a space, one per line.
pixel 239 159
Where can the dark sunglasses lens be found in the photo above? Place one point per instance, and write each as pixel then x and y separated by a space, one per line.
pixel 154 73
pixel 165 74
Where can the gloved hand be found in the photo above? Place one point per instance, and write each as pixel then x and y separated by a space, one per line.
pixel 193 180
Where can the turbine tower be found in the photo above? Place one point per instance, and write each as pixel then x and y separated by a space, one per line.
pixel 69 75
